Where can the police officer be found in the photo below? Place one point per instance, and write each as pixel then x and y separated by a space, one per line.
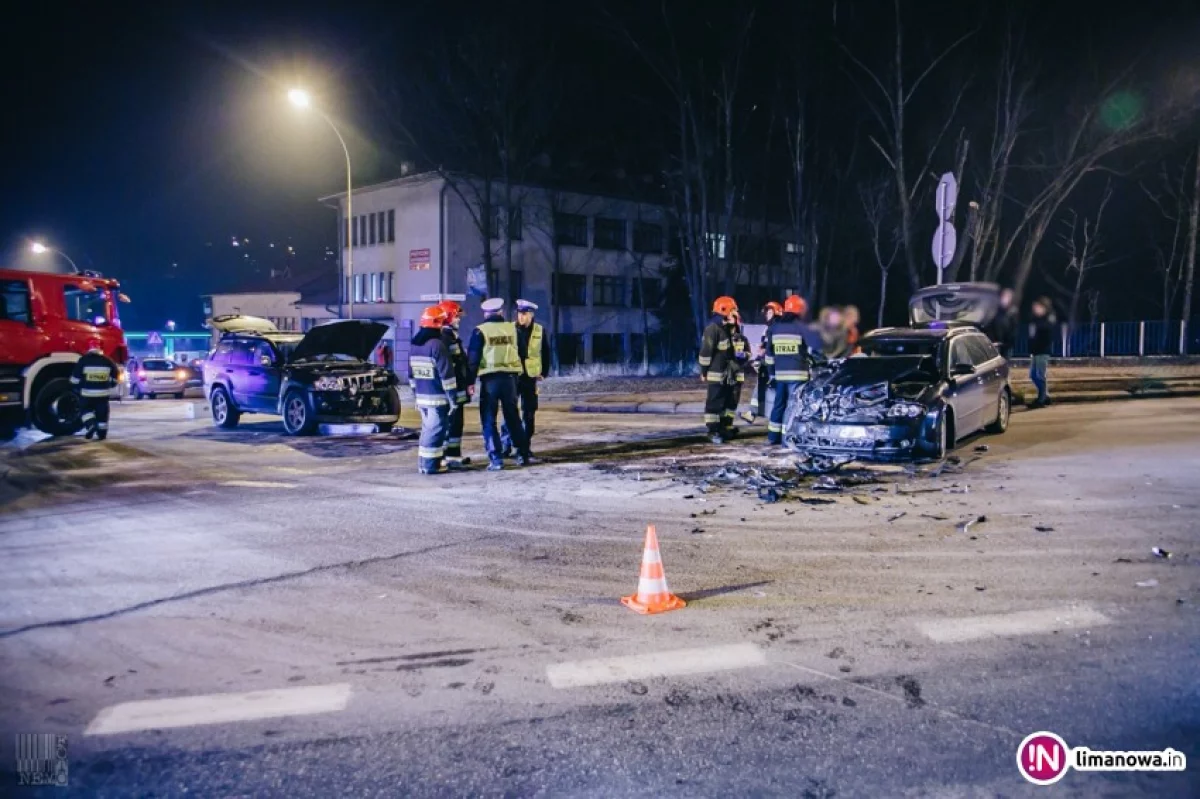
pixel 758 403
pixel 431 375
pixel 492 356
pixel 723 353
pixel 458 357
pixel 533 348
pixel 788 356
pixel 93 377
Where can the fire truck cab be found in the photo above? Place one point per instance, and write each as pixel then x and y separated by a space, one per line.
pixel 47 321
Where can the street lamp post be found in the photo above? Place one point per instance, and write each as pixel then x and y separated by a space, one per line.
pixel 37 248
pixel 301 99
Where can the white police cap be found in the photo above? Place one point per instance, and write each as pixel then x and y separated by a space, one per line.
pixel 493 305
pixel 526 305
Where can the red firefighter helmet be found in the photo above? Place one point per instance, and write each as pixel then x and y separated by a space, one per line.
pixel 773 307
pixel 453 309
pixel 434 316
pixel 724 306
pixel 795 304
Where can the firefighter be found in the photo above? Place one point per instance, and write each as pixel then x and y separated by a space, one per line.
pixel 533 348
pixel 458 357
pixel 723 353
pixel 93 377
pixel 431 375
pixel 787 353
pixel 758 403
pixel 492 356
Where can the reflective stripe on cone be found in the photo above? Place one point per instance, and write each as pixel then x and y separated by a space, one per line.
pixel 652 595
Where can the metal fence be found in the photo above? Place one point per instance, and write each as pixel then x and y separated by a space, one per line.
pixel 1112 339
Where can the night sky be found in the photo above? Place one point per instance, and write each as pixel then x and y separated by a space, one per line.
pixel 140 140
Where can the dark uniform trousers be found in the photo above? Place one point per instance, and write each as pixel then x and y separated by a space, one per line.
pixel 527 394
pixel 720 405
pixel 95 415
pixel 498 392
pixel 783 397
pixel 435 421
pixel 454 440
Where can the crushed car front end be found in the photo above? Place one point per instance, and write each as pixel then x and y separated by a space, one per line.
pixel 349 393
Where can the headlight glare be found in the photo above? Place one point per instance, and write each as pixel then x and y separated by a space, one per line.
pixel 326 384
pixel 906 410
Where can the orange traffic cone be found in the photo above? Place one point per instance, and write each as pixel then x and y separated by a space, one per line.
pixel 652 595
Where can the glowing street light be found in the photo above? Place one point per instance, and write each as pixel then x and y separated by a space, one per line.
pixel 302 99
pixel 38 248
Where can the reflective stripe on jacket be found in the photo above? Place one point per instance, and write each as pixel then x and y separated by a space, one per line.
pixel 787 350
pixel 534 345
pixel 93 375
pixel 430 370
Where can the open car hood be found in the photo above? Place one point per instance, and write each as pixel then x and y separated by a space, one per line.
pixel 353 337
pixel 868 370
pixel 237 323
pixel 962 303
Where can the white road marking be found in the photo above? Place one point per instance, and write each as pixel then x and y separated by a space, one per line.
pixel 256 484
pixel 1026 622
pixel 582 673
pixel 189 711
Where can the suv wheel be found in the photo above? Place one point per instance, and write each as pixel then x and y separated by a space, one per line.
pixel 297 415
pixel 223 412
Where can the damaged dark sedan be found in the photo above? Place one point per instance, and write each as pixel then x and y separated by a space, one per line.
pixel 911 392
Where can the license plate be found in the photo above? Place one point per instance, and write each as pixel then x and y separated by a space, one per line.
pixel 852 432
pixel 164 380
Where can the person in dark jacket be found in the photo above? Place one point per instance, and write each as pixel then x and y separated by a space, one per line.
pixel 1041 342
pixel 787 354
pixel 723 353
pixel 758 403
pixel 92 377
pixel 492 357
pixel 431 374
pixel 458 357
pixel 533 347
pixel 1003 329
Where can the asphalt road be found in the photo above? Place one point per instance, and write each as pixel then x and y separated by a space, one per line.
pixel 329 623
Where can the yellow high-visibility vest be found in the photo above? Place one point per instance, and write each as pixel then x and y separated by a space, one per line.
pixel 499 348
pixel 533 357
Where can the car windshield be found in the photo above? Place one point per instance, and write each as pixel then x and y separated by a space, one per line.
pixel 157 366
pixel 883 347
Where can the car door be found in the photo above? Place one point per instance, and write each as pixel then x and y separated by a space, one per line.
pixel 242 384
pixel 966 389
pixel 988 368
pixel 264 377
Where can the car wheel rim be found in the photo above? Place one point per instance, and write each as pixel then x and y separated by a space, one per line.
pixel 220 408
pixel 295 414
pixel 65 409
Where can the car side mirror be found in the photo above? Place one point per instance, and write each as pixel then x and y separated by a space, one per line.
pixel 266 360
pixel 962 369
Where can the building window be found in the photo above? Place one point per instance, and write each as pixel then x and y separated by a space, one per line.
pixel 371 227
pixel 354 230
pixel 492 222
pixel 358 287
pixel 608 348
pixel 374 290
pixel 647 238
pixel 362 231
pixel 607 290
pixel 389 287
pixel 516 224
pixel 569 348
pixel 391 225
pixel 716 245
pixel 610 234
pixel 570 289
pixel 650 288
pixel 570 230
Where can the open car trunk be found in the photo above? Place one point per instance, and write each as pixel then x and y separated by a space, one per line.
pixel 237 323
pixel 972 304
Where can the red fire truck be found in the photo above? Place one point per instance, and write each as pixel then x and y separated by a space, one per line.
pixel 48 320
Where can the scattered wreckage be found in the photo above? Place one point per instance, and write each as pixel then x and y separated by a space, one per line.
pixel 911 392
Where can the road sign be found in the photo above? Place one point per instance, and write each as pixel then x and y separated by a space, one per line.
pixel 945 241
pixel 154 339
pixel 947 197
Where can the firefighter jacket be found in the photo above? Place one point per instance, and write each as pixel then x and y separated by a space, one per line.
pixel 458 357
pixel 787 351
pixel 431 370
pixel 723 352
pixel 493 348
pixel 94 375
pixel 533 348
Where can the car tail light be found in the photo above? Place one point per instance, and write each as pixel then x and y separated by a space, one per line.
pixel 141 372
pixel 180 375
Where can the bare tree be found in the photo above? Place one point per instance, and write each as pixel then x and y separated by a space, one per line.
pixel 885 243
pixel 1170 196
pixel 1084 249
pixel 889 99
pixel 1190 269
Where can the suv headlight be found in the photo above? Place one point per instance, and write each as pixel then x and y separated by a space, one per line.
pixel 906 410
pixel 327 384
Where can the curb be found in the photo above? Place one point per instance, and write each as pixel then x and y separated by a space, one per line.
pixel 698 407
